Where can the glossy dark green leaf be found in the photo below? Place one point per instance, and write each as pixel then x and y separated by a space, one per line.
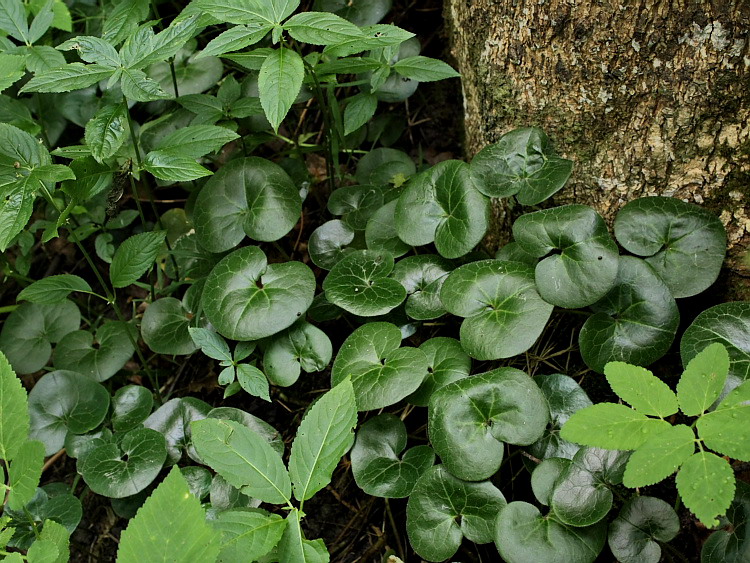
pixel 65 509
pixel 728 324
pixel 355 204
pixel 164 327
pixel 120 471
pixel 359 13
pixel 446 362
pixel 441 205
pixel 522 163
pixel 78 445
pixel 28 331
pixel 470 420
pixel 301 347
pixel 523 535
pixel 247 535
pixel 198 480
pixel 172 420
pixel 385 166
pixel 442 510
pixel 381 234
pixel 329 243
pixel 642 522
pixel 582 495
pixel 194 75
pixel 504 313
pixel 272 436
pixel 730 544
pixel 246 298
pixel 545 475
pixel 382 373
pixel 62 402
pixel 53 289
pixel 564 397
pixel 358 283
pixel 514 252
pixel 131 405
pixel 376 465
pixel 249 196
pixel 683 242
pixel 583 265
pixel 98 358
pixel 134 256
pixel 635 322
pixel 422 276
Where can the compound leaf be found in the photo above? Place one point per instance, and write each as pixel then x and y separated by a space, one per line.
pixel 659 456
pixel 644 391
pixel 706 484
pixel 703 379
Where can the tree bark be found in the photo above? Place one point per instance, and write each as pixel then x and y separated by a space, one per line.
pixel 648 97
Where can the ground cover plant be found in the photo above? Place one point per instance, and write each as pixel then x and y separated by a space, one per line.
pixel 235 311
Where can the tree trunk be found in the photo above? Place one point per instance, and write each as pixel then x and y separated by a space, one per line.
pixel 648 97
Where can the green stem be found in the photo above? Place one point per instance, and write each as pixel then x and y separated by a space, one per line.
pixel 8 309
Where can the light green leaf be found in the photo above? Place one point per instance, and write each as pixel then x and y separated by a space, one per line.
pixel 58 535
pixel 73 76
pixel 373 37
pixel 247 12
pixel 424 69
pixel 234 39
pixel 726 430
pixel 14 412
pixel 253 381
pixel 42 551
pixel 24 473
pixel 41 58
pixel 134 257
pixel 106 131
pixel 248 534
pixel 41 22
pixel 324 436
pixel 645 392
pixel 293 546
pixel 279 83
pixel 706 484
pixel 729 544
pixel 659 456
pixel 194 141
pixel 123 20
pixel 611 426
pixel 12 68
pixel 359 110
pixel 53 289
pixel 210 343
pixel 138 87
pixel 244 458
pixel 173 167
pixel 321 28
pixel 93 50
pixel 13 20
pixel 703 379
pixel 167 43
pixel 184 536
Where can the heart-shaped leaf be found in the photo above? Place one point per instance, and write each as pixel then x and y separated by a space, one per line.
pixel 471 419
pixel 330 242
pixel 635 322
pixel 728 324
pixel 585 268
pixel 545 475
pixel 642 522
pixel 442 510
pixel 355 204
pixel 564 397
pixel 730 543
pixel 164 327
pixel 522 534
pixel 131 405
pixel 246 298
pixel 376 465
pixel 683 242
pixel 514 252
pixel 250 196
pixel 422 276
pixel 28 331
pixel 382 373
pixel 301 347
pixel 521 163
pixel 441 205
pixel 120 471
pixel 504 313
pixel 46 505
pixel 359 283
pixel 582 495
pixel 385 166
pixel 381 234
pixel 446 362
pixel 62 402
pixel 272 436
pixel 98 358
pixel 172 420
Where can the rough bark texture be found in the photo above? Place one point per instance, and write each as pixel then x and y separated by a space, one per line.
pixel 648 97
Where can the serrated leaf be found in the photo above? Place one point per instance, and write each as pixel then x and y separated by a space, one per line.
pixel 373 37
pixel 294 547
pixel 324 436
pixel 321 28
pixel 659 456
pixel 138 87
pixel 249 534
pixel 611 426
pixel 14 412
pixel 703 379
pixel 184 536
pixel 173 167
pixel 58 535
pixel 24 473
pixel 12 68
pixel 53 289
pixel 134 256
pixel 645 392
pixel 359 110
pixel 210 343
pixel 106 131
pixel 730 544
pixel 706 484
pixel 73 76
pixel 244 458
pixel 93 49
pixel 13 20
pixel 424 69
pixel 727 430
pixel 234 39
pixel 244 13
pixel 123 20
pixel 253 381
pixel 279 83
pixel 41 22
pixel 195 141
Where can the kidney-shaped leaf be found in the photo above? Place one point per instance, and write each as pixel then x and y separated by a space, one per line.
pixel 301 347
pixel 62 402
pixel 118 472
pixel 442 510
pixel 504 313
pixel 470 420
pixel 642 522
pixel 376 465
pixel 330 242
pixel 358 283
pixel 384 166
pixel 545 475
pixel 99 358
pixel 423 276
pixel 250 196
pixel 683 242
pixel 172 420
pixel 446 362
pixel 355 204
pixel 381 234
pixel 522 534
pixel 382 373
pixel 441 205
pixel 522 162
pixel 635 322
pixel 585 268
pixel 246 298
pixel 165 327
